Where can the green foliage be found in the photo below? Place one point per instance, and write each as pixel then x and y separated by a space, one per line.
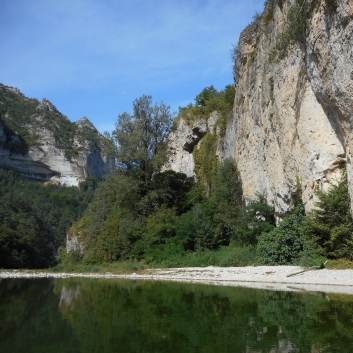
pixel 224 256
pixel 104 231
pixel 141 137
pixel 129 217
pixel 34 219
pixel 15 112
pixel 284 244
pixel 160 227
pixel 164 218
pixel 204 233
pixel 226 200
pixel 171 190
pixel 72 258
pixel 234 54
pixel 213 221
pixel 209 101
pixel 185 229
pixel 257 218
pixel 205 160
pixel 207 94
pixel 329 228
pixel 24 118
pixel 294 31
pixel 267 16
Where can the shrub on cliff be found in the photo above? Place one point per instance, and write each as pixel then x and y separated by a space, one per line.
pixel 208 101
pixel 295 27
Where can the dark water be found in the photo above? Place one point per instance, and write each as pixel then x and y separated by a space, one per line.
pixel 92 315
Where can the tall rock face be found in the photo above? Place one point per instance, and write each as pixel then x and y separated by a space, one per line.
pixel 37 140
pixel 292 123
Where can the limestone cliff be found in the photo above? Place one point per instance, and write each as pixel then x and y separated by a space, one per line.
pixel 36 139
pixel 182 141
pixel 292 120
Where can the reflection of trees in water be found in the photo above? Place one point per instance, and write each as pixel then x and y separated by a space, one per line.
pixel 312 321
pixel 126 316
pixel 30 320
pixel 156 317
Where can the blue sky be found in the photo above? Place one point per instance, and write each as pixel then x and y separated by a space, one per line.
pixel 94 57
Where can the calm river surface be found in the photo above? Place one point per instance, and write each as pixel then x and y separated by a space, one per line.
pixel 109 315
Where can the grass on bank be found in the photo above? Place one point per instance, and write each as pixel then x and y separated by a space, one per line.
pixel 225 256
pixel 341 264
pixel 207 258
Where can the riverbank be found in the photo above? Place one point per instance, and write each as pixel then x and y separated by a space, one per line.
pixel 284 278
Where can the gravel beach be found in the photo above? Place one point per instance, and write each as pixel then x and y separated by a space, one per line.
pixel 284 278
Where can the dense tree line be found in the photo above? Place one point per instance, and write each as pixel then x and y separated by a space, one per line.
pixel 34 219
pixel 141 213
pixel 163 218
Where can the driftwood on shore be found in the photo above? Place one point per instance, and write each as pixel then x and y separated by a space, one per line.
pixel 308 269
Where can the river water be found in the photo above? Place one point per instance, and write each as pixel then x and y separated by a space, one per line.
pixel 110 315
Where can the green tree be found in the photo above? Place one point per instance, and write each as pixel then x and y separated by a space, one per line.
pixel 226 200
pixel 257 218
pixel 141 137
pixel 284 244
pixel 35 218
pixel 209 101
pixel 206 95
pixel 329 228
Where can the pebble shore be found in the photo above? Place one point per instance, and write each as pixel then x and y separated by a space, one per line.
pixel 284 278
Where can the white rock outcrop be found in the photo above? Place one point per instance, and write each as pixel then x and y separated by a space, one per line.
pixel 292 120
pixel 182 141
pixel 44 161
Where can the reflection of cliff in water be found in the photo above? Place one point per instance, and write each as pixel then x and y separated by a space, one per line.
pixel 30 320
pixel 128 316
pixel 68 295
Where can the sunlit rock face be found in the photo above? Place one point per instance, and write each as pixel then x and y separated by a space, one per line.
pixel 45 160
pixel 292 119
pixel 49 163
pixel 182 141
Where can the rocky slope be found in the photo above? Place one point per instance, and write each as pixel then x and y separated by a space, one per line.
pixel 36 139
pixel 291 127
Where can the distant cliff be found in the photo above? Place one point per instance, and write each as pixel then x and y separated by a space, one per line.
pixel 36 139
pixel 291 131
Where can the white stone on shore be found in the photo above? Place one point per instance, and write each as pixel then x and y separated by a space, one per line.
pixel 261 277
